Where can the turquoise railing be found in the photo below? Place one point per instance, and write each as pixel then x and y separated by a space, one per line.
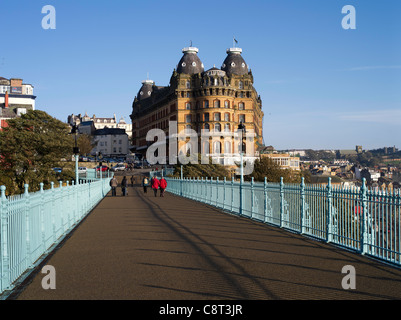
pixel 32 224
pixel 366 221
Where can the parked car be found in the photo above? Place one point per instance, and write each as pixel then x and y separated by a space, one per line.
pixel 82 169
pixel 118 167
pixel 57 170
pixel 102 168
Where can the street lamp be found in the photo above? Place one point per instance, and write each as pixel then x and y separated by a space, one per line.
pixel 75 151
pixel 241 129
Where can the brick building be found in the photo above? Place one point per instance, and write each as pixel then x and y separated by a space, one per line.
pixel 216 99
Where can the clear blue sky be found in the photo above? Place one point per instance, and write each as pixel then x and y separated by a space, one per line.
pixel 322 87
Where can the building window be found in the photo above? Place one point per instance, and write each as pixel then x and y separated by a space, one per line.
pixel 217 147
pixel 226 117
pixel 241 106
pixel 207 126
pixel 188 84
pixel 206 104
pixel 226 104
pixel 241 118
pixel 188 106
pixel 188 118
pixel 227 127
pixel 217 103
pixel 241 85
pixel 216 82
pixel 227 147
pixel 217 116
pixel 206 116
pixel 217 127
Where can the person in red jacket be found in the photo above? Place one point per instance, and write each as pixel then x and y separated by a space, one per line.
pixel 155 185
pixel 163 186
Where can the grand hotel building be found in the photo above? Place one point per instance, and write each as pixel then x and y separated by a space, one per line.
pixel 216 99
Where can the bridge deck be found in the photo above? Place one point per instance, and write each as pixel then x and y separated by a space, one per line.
pixel 142 247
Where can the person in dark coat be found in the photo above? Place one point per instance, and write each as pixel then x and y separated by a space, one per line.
pixel 124 184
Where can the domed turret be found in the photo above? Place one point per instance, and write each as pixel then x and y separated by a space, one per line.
pixel 146 89
pixel 190 62
pixel 234 63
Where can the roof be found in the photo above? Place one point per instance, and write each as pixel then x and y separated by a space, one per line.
pixel 190 62
pixel 234 63
pixel 108 131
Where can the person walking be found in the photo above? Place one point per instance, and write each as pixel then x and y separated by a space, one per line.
pixel 113 185
pixel 155 185
pixel 132 181
pixel 124 184
pixel 163 186
pixel 145 184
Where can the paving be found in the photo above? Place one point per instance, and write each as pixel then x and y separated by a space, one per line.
pixel 142 247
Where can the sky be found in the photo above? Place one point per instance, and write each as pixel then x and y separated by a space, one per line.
pixel 322 86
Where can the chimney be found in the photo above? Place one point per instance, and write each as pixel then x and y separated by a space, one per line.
pixel 6 100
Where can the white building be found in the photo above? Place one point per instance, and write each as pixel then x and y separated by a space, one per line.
pixel 101 123
pixel 16 98
pixel 111 142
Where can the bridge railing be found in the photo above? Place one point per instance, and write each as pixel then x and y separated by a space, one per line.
pixel 31 224
pixel 366 221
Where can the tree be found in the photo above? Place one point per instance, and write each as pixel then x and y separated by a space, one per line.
pixel 202 170
pixel 266 167
pixel 30 147
pixel 85 144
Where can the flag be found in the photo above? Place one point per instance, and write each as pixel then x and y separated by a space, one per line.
pixel 235 40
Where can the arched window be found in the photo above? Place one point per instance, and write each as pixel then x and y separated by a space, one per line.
pixel 241 106
pixel 217 127
pixel 207 126
pixel 216 81
pixel 217 147
pixel 241 85
pixel 188 84
pixel 217 103
pixel 206 105
pixel 205 147
pixel 226 104
pixel 227 127
pixel 227 147
pixel 217 116
pixel 227 117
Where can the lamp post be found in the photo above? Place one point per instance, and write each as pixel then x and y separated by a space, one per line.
pixel 241 129
pixel 75 150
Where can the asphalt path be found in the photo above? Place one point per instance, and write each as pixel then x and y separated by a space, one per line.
pixel 142 247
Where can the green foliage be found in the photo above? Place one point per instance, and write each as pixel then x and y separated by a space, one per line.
pixel 29 147
pixel 201 170
pixel 266 167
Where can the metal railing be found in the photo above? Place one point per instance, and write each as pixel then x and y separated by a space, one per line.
pixel 31 224
pixel 366 221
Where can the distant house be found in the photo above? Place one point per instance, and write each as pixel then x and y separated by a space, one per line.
pixel 111 142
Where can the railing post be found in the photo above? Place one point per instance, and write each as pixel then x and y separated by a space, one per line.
pixel 302 205
pixel 211 189
pixel 281 201
pixel 53 212
pixel 217 192
pixel 265 198
pixel 240 193
pixel 27 226
pixel 329 217
pixel 232 193
pixel 252 197
pixel 42 216
pixel 364 228
pixel 224 192
pixel 5 260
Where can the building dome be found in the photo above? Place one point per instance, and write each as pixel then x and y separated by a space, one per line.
pixel 190 62
pixel 234 63
pixel 146 89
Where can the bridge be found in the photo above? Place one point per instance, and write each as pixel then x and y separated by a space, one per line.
pixel 142 247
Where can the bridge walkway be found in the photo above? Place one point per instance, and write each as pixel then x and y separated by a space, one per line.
pixel 142 247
